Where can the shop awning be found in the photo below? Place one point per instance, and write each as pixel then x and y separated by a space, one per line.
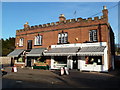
pixel 15 53
pixel 36 52
pixel 62 51
pixel 91 51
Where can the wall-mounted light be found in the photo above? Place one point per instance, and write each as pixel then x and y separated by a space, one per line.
pixel 76 39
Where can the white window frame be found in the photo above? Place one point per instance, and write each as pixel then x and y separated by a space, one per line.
pixel 93 35
pixel 63 38
pixel 21 40
pixel 38 40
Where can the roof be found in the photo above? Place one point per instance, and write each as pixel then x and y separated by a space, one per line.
pixel 62 51
pixel 15 53
pixel 36 52
pixel 90 51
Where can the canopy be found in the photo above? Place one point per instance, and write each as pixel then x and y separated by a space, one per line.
pixel 16 52
pixel 91 51
pixel 62 51
pixel 36 52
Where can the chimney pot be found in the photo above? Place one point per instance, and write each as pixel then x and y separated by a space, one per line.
pixel 104 7
pixel 26 26
pixel 62 17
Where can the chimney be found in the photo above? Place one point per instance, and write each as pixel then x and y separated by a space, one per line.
pixel 62 18
pixel 105 12
pixel 104 7
pixel 26 26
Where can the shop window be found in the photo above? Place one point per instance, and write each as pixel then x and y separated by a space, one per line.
pixel 93 59
pixel 62 38
pixel 21 59
pixel 38 40
pixel 93 35
pixel 21 42
pixel 60 60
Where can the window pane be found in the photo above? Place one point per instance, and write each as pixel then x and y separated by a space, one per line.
pixel 21 42
pixel 65 37
pixel 35 40
pixel 90 35
pixel 94 35
pixel 59 38
pixel 62 39
pixel 38 40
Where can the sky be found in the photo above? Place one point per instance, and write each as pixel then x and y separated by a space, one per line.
pixel 16 14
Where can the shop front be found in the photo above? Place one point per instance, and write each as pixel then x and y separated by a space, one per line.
pixel 92 59
pixel 36 59
pixel 63 57
pixel 17 57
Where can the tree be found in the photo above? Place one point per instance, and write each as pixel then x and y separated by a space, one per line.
pixel 8 45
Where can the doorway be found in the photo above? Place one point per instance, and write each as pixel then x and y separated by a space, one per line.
pixel 75 62
pixel 28 62
pixel 12 61
pixel 29 44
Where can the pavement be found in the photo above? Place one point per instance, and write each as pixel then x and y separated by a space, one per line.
pixel 35 78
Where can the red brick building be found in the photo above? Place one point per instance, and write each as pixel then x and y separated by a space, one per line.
pixel 78 43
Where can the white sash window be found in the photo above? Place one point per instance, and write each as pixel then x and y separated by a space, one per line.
pixel 62 37
pixel 93 35
pixel 21 42
pixel 38 40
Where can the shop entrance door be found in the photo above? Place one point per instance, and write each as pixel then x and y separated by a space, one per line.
pixel 28 62
pixel 75 62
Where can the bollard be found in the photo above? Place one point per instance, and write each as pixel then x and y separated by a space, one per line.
pixel 66 71
pixel 14 69
pixel 62 71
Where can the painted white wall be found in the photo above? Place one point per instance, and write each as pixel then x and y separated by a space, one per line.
pixel 89 67
pixel 52 63
pixel 79 45
pixel 81 63
pixel 105 66
pixel 70 64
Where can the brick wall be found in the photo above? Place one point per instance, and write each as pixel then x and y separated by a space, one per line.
pixel 75 30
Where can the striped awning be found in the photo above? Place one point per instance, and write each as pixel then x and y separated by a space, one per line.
pixel 91 51
pixel 36 52
pixel 62 51
pixel 15 53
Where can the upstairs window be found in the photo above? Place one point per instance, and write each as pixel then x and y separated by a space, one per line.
pixel 38 40
pixel 21 42
pixel 63 38
pixel 93 35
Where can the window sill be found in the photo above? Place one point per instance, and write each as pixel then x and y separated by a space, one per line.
pixel 20 46
pixel 37 45
pixel 90 41
pixel 63 43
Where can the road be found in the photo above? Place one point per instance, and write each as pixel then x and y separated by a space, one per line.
pixel 28 78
